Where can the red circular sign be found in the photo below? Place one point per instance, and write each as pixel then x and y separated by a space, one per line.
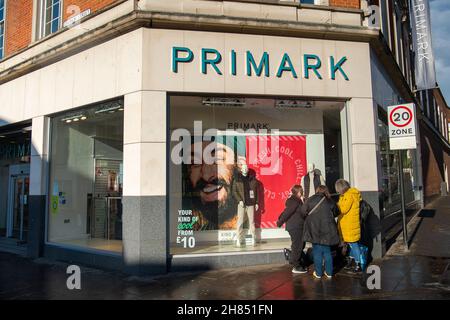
pixel 410 118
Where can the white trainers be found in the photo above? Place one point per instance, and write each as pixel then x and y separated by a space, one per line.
pixel 328 277
pixel 316 276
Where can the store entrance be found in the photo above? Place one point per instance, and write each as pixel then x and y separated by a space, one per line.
pixel 15 150
pixel 18 209
pixel 106 219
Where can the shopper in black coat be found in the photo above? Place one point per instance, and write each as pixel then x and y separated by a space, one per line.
pixel 320 229
pixel 292 217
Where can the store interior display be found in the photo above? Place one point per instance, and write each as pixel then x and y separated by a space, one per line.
pixel 260 138
pixel 312 180
pixel 86 178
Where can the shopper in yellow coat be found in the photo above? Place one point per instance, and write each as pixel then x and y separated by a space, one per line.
pixel 348 221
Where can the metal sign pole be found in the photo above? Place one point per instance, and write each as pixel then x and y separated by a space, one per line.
pixel 402 194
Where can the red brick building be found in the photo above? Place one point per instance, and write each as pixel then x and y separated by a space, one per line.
pixel 435 144
pixel 22 18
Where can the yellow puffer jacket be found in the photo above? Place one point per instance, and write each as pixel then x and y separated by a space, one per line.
pixel 348 220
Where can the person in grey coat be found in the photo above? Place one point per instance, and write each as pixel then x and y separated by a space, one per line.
pixel 320 229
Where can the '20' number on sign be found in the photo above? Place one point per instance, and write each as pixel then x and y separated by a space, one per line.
pixel 401 117
pixel 404 116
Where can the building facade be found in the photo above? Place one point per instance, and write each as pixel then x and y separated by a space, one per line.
pixel 109 108
pixel 434 143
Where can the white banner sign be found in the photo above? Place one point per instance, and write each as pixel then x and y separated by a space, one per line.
pixel 402 127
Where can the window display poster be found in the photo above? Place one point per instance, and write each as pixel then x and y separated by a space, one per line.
pixel 113 181
pixel 207 188
pixel 54 201
pixel 276 179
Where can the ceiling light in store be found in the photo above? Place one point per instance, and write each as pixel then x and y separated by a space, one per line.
pixel 2 136
pixel 224 102
pixel 110 108
pixel 83 118
pixel 293 104
pixel 74 118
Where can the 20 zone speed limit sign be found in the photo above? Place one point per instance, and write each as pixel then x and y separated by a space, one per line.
pixel 402 126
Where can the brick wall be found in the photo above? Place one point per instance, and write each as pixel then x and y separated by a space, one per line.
pixel 94 5
pixel 19 19
pixel 433 159
pixel 346 3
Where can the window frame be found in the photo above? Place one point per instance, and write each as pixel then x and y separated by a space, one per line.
pixel 315 2
pixel 3 23
pixel 42 17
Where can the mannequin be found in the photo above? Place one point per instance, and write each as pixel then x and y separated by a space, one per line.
pixel 312 180
pixel 245 192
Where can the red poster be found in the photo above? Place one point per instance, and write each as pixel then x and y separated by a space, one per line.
pixel 277 172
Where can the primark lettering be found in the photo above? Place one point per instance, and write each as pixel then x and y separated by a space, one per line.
pixel 421 26
pixel 211 60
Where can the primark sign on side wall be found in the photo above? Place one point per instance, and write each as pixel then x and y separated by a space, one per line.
pixel 260 64
pixel 425 73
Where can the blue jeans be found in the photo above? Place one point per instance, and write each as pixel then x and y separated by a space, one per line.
pixel 320 253
pixel 355 253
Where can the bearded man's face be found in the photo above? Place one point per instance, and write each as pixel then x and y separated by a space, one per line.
pixel 212 179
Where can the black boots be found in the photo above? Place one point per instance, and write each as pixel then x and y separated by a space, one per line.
pixel 287 254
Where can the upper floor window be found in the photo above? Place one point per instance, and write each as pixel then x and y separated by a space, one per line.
pixel 50 17
pixel 2 28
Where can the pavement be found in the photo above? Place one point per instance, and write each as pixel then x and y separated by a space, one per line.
pixel 422 272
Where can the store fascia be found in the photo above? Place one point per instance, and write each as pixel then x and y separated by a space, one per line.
pixel 311 63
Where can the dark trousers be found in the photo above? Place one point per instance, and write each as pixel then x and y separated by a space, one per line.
pixel 297 246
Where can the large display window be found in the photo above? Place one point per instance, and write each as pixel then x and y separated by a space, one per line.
pixel 390 197
pixel 234 161
pixel 86 174
pixel 15 151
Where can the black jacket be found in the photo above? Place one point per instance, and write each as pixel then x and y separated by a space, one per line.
pixel 291 215
pixel 238 188
pixel 320 226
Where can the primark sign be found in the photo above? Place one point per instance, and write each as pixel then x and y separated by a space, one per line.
pixel 425 73
pixel 210 60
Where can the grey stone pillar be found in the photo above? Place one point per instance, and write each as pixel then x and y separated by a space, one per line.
pixel 144 191
pixel 38 186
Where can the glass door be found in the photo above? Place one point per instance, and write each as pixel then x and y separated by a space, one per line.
pixel 18 226
pixel 106 218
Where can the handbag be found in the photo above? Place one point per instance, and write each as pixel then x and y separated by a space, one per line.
pixel 316 206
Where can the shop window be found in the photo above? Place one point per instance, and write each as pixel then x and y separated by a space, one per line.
pixel 275 142
pixel 2 28
pixel 86 175
pixel 390 197
pixel 50 17
pixel 15 150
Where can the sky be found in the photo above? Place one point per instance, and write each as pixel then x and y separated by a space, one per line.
pixel 440 28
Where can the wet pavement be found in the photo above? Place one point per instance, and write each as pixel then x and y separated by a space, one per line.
pixel 421 273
